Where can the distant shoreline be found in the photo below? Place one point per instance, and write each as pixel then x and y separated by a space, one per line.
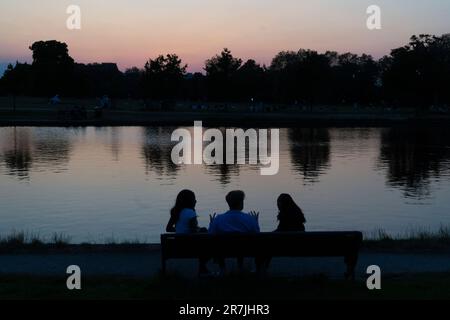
pixel 241 119
pixel 35 111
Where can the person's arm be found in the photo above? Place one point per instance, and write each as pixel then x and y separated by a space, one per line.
pixel 257 229
pixel 255 216
pixel 193 224
pixel 171 225
pixel 212 225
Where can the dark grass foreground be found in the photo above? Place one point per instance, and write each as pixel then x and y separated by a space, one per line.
pixel 235 288
pixel 413 241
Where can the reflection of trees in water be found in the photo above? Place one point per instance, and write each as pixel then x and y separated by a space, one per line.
pixel 310 151
pixel 224 172
pixel 415 157
pixel 156 151
pixel 115 134
pixel 45 149
pixel 51 148
pixel 17 153
pixel 110 137
pixel 354 139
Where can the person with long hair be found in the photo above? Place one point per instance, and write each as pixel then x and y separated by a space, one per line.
pixel 290 219
pixel 183 220
pixel 290 216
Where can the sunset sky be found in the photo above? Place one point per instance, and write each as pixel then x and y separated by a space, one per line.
pixel 129 32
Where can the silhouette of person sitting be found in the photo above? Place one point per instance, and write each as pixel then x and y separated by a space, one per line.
pixel 290 219
pixel 234 221
pixel 183 220
pixel 290 216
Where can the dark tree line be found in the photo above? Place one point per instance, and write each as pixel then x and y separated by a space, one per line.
pixel 417 74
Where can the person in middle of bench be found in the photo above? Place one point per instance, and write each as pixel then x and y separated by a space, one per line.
pixel 234 221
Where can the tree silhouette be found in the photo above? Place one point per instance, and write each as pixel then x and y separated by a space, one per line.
pixel 418 74
pixel 250 82
pixel 355 78
pixel 163 77
pixel 220 72
pixel 52 67
pixel 194 87
pixel 97 79
pixel 301 76
pixel 308 77
pixel 16 80
pixel 133 82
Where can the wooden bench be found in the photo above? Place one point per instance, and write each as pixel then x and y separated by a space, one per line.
pixel 273 244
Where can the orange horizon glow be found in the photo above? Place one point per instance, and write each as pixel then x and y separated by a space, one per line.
pixel 130 33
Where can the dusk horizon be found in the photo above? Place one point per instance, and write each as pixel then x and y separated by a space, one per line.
pixel 131 34
pixel 229 158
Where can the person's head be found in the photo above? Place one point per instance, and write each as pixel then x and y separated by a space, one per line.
pixel 185 200
pixel 288 208
pixel 235 200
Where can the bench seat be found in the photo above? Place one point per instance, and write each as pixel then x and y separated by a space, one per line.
pixel 272 244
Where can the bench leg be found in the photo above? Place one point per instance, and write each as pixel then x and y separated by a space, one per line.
pixel 351 261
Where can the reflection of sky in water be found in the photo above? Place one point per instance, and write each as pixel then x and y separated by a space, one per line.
pixel 101 183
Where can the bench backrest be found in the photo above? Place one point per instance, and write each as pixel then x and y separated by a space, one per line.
pixel 266 244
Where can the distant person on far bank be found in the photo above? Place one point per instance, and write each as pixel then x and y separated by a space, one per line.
pixel 55 100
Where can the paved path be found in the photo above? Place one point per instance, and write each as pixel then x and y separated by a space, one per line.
pixel 148 264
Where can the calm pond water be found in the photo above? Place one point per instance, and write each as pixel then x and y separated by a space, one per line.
pixel 118 183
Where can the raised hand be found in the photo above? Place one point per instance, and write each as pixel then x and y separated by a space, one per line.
pixel 212 217
pixel 254 214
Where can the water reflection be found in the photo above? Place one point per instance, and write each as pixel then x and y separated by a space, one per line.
pixel 156 151
pixel 115 142
pixel 85 181
pixel 17 152
pixel 52 148
pixel 112 138
pixel 24 149
pixel 414 158
pixel 310 152
pixel 223 173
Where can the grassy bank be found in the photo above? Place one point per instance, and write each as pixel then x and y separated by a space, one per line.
pixel 31 111
pixel 414 240
pixel 418 239
pixel 236 288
